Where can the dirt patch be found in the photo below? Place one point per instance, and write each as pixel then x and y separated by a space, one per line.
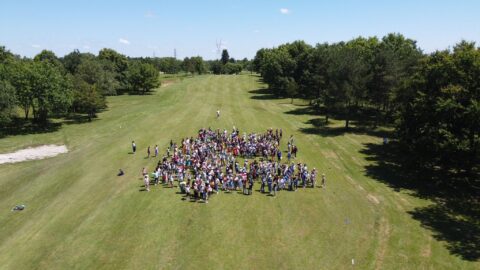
pixel 427 249
pixel 383 236
pixel 330 154
pixel 373 199
pixel 167 83
pixel 356 161
pixel 32 153
pixel 354 183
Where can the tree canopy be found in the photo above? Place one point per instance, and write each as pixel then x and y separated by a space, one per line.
pixel 142 77
pixel 433 100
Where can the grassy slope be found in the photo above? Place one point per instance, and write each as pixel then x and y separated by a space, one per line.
pixel 80 215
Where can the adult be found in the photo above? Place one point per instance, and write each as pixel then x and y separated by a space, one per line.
pixel 134 147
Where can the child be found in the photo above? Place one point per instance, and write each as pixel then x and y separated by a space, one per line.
pixel 146 182
pixel 134 147
pixel 187 189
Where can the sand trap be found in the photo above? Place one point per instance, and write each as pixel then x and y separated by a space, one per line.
pixel 32 153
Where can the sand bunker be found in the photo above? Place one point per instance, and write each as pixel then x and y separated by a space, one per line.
pixel 31 153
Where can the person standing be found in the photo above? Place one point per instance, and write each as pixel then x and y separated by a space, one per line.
pixel 146 181
pixel 275 186
pixel 218 113
pixel 250 186
pixel 324 180
pixel 148 151
pixel 134 147
pixel 156 150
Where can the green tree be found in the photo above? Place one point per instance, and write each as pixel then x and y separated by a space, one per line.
pixel 51 91
pixel 99 73
pixel 440 122
pixel 5 54
pixel 142 77
pixel 396 60
pixel 48 56
pixel 72 60
pixel 21 77
pixel 194 65
pixel 232 68
pixel 120 64
pixel 7 101
pixel 87 99
pixel 216 67
pixel 225 57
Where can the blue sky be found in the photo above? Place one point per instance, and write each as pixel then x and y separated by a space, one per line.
pixel 147 27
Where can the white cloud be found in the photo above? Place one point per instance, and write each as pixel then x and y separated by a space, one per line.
pixel 150 14
pixel 86 47
pixel 256 31
pixel 124 41
pixel 284 11
pixel 35 46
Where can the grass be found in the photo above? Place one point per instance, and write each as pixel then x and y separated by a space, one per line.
pixel 80 215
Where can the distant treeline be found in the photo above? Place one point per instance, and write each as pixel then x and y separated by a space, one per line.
pixel 196 65
pixel 433 100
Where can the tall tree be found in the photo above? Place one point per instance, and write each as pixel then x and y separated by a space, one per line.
pixel 7 101
pixel 142 77
pixel 99 73
pixel 87 98
pixel 51 91
pixel 395 62
pixel 49 57
pixel 72 60
pixel 21 76
pixel 120 63
pixel 440 122
pixel 225 57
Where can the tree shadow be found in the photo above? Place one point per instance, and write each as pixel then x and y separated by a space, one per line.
pixel 262 94
pixel 453 216
pixel 78 119
pixel 20 126
pixel 304 110
pixel 319 127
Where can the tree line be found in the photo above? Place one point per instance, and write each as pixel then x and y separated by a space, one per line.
pixel 76 83
pixel 432 100
pixel 197 65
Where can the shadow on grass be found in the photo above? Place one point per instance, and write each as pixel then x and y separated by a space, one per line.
pixel 78 119
pixel 319 127
pixel 262 94
pixel 454 215
pixel 304 110
pixel 21 126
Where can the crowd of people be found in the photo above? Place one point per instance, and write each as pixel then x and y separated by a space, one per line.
pixel 212 162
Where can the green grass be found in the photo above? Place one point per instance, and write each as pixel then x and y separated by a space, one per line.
pixel 80 215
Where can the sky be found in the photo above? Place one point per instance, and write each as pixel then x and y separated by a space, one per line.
pixel 158 27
